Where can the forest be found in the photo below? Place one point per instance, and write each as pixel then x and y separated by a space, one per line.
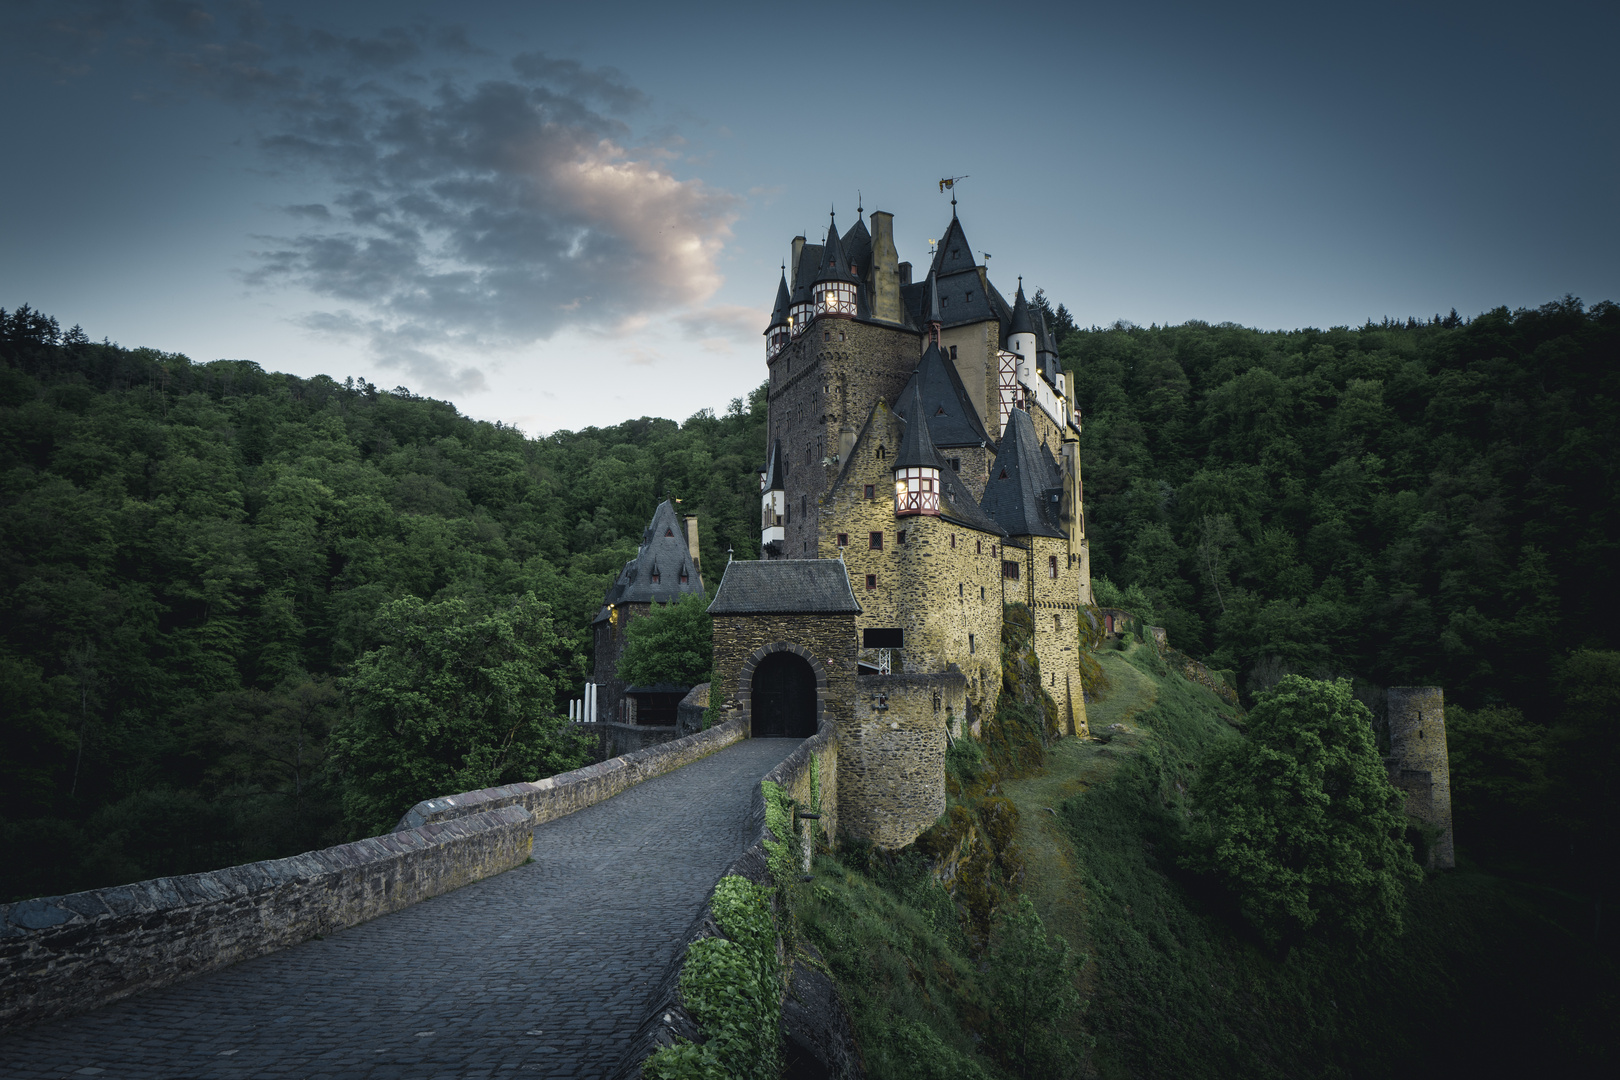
pixel 206 565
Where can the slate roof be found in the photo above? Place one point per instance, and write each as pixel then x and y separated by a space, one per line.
pixel 1021 322
pixel 832 264
pixel 809 256
pixel 1023 482
pixel 663 548
pixel 858 247
pixel 916 448
pixel 779 313
pixel 953 254
pixel 775 474
pixel 785 587
pixel 952 419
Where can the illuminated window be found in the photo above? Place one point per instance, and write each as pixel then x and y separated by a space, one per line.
pixel 916 491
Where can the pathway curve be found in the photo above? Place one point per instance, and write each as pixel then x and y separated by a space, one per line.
pixel 542 970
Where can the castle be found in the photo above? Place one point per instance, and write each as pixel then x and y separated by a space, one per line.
pixel 923 472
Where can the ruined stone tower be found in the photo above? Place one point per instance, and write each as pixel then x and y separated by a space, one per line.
pixel 1417 763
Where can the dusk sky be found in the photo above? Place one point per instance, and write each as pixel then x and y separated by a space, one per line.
pixel 561 215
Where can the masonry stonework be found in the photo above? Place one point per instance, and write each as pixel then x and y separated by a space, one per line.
pixel 891 758
pixel 826 641
pixel 1418 763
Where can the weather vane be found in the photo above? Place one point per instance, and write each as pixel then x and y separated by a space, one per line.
pixel 949 184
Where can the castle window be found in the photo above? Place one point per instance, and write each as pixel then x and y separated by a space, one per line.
pixel 669 532
pixel 953 541
pixel 874 541
pixel 970 298
pixel 870 491
pixel 956 464
pixel 683 577
pixel 981 592
pixel 1003 475
pixel 970 643
pixel 871 582
pixel 959 590
pixel 840 335
pixel 882 453
pixel 843 539
pixel 940 411
pixel 1051 566
pixel 1057 623
pixel 944 301
pixel 900 537
pixel 978 546
pixel 655 577
pixel 953 352
pixel 826 335
pixel 1009 569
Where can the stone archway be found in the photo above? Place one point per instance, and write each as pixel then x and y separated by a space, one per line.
pixel 783 689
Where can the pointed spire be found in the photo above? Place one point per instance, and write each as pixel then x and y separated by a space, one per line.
pixel 779 314
pixel 1021 322
pixel 916 447
pixel 932 314
pixel 775 475
pixel 954 254
pixel 1022 481
pixel 834 264
pixel 953 419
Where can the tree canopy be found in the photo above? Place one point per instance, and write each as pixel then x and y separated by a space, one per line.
pixel 672 643
pixel 1300 822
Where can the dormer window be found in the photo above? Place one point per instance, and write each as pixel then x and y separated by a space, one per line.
pixel 655 576
pixel 669 532
pixel 684 577
pixel 969 298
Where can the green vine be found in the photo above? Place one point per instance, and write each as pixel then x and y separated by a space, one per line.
pixel 732 986
pixel 783 850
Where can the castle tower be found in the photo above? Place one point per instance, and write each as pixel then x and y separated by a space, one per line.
pixel 773 505
pixel 1418 764
pixel 916 466
pixel 780 332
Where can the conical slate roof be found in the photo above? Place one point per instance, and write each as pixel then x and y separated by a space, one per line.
pixel 1021 322
pixel 931 312
pixel 1022 495
pixel 775 474
pixel 663 553
pixel 916 448
pixel 833 264
pixel 779 314
pixel 952 420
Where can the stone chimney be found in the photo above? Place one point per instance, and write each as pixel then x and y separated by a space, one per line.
pixel 885 277
pixel 798 249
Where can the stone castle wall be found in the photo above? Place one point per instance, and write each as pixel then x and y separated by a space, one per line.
pixel 942 586
pixel 824 381
pixel 1418 762
pixel 891 757
pixel 1054 602
pixel 828 641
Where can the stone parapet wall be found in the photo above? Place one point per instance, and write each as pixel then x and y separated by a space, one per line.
pixel 814 1018
pixel 689 713
pixel 67 954
pixel 560 795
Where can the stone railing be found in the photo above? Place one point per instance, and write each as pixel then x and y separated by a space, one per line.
pixel 814 1021
pixel 560 795
pixel 67 954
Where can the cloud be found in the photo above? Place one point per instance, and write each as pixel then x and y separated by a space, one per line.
pixel 463 204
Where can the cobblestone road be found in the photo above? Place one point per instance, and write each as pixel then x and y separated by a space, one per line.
pixel 543 970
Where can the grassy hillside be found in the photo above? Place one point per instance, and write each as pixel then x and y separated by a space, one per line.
pixel 1489 971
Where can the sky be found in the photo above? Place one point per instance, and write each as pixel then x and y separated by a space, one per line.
pixel 568 215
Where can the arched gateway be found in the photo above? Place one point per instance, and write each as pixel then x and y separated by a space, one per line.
pixel 783 697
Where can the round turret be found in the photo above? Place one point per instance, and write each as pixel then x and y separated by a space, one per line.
pixel 916 466
pixel 834 285
pixel 780 332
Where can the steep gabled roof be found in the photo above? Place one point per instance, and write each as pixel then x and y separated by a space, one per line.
pixel 806 273
pixel 663 551
pixel 775 474
pixel 779 313
pixel 1024 482
pixel 784 587
pixel 858 247
pixel 947 408
pixel 953 255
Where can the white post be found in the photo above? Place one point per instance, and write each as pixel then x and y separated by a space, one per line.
pixel 590 703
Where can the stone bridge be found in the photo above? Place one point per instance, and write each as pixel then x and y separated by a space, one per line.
pixel 543 970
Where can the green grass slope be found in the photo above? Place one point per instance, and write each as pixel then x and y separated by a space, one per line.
pixel 1491 976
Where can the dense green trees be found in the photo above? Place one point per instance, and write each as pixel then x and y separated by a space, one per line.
pixel 453 700
pixel 1300 822
pixel 192 554
pixel 672 643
